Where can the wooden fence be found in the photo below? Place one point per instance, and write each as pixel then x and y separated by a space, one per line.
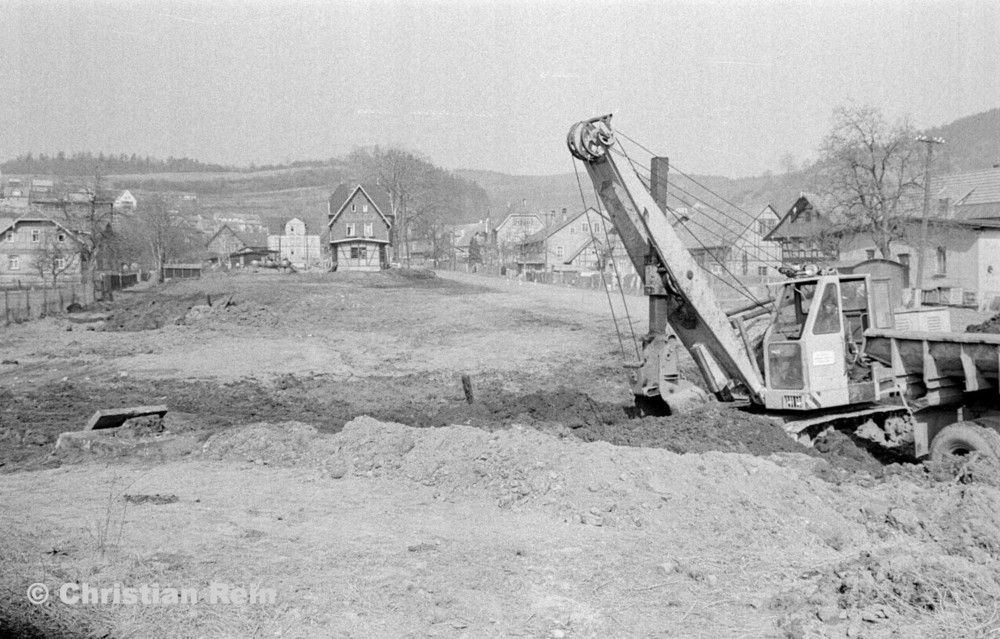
pixel 21 305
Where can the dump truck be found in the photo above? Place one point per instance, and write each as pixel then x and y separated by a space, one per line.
pixel 831 355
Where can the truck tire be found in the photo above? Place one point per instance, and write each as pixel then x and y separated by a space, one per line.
pixel 965 438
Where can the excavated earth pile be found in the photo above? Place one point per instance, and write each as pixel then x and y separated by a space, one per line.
pixel 991 325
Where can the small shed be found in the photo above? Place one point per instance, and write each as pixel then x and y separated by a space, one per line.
pixel 181 271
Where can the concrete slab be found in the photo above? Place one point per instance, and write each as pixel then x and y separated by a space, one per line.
pixel 114 417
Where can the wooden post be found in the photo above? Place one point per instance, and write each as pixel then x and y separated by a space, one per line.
pixel 27 300
pixel 6 305
pixel 467 388
pixel 45 300
pixel 62 304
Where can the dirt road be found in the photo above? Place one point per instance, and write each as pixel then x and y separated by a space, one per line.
pixel 515 517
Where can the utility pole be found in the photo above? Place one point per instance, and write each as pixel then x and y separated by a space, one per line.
pixel 918 294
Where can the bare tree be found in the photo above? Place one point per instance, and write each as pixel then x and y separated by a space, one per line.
pixel 162 232
pixel 871 173
pixel 55 258
pixel 91 222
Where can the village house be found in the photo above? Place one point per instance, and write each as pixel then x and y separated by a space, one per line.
pixel 37 250
pixel 295 244
pixel 805 233
pixel 731 243
pixel 360 223
pixel 125 202
pixel 963 258
pixel 568 244
pixel 516 227
pixel 480 235
pixel 230 248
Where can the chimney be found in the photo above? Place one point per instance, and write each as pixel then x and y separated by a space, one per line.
pixel 658 169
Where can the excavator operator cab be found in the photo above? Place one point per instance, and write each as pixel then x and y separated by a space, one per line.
pixel 814 340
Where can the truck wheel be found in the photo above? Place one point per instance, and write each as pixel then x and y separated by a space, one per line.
pixel 965 438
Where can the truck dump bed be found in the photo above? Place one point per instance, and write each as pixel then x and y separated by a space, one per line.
pixel 937 367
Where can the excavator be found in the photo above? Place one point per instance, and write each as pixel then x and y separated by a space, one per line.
pixel 831 356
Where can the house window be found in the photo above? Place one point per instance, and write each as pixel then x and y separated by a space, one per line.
pixel 14 263
pixel 60 263
pixel 62 237
pixel 942 260
pixel 572 230
pixel 559 252
pixel 351 232
pixel 904 259
pixel 762 271
pixel 10 236
pixel 364 208
pixel 585 227
pixel 354 207
pixel 359 252
pixel 870 254
pixel 35 235
pixel 369 228
pixel 715 268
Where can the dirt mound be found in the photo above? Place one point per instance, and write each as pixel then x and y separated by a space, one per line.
pixel 282 444
pixel 150 312
pixel 991 325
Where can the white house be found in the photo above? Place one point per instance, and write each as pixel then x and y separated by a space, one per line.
pixel 295 244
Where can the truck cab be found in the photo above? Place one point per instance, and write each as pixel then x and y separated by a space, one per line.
pixel 812 347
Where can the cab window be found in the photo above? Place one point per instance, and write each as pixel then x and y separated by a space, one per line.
pixel 793 309
pixel 828 313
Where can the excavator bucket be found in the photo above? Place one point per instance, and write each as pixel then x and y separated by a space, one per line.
pixel 682 398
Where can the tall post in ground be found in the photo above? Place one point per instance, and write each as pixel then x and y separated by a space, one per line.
pixel 918 293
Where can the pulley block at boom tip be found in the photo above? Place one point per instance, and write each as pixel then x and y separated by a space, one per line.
pixel 589 140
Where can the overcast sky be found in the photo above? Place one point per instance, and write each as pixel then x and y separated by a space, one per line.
pixel 721 87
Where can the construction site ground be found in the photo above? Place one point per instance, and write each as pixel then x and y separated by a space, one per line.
pixel 319 443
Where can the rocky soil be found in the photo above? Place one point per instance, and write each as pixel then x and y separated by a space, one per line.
pixel 319 443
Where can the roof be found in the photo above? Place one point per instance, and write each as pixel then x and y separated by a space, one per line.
pixel 538 236
pixel 9 223
pixel 249 239
pixel 812 202
pixel 375 194
pixel 969 189
pixel 463 233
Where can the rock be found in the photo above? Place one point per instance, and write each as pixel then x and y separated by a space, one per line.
pixel 669 567
pixel 336 468
pixel 828 614
pixel 591 519
pixel 905 520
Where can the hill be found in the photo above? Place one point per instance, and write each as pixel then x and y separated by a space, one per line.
pixel 972 143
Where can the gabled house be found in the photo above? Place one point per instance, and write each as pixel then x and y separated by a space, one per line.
pixel 360 222
pixel 514 229
pixel 125 202
pixel 567 245
pixel 232 248
pixel 804 233
pixel 39 250
pixel 474 243
pixel 729 243
pixel 295 244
